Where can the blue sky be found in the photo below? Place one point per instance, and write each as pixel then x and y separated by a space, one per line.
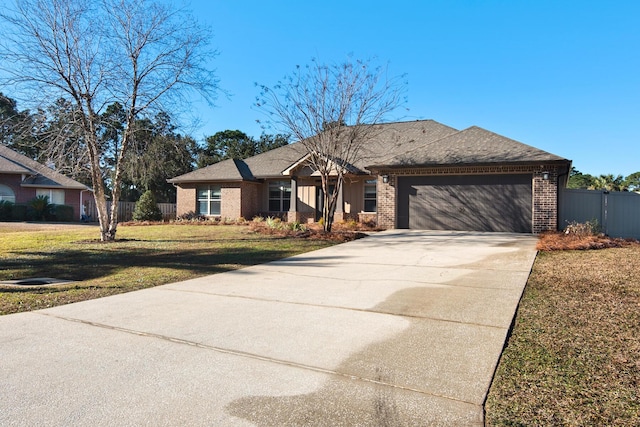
pixel 563 76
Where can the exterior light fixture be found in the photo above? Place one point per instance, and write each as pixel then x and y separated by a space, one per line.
pixel 545 176
pixel 385 179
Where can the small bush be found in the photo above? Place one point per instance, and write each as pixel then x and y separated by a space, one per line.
pixel 352 224
pixel 147 209
pixel 589 228
pixel 296 226
pixel 19 212
pixel 258 219
pixel 274 223
pixel 6 210
pixel 63 213
pixel 191 216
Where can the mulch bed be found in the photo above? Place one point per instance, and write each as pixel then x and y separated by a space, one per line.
pixel 554 241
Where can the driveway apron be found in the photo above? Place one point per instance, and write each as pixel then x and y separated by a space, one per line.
pixel 402 328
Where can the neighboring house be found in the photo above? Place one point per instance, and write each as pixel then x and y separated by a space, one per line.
pixel 419 174
pixel 22 179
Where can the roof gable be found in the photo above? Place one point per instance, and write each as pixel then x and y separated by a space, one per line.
pixel 12 162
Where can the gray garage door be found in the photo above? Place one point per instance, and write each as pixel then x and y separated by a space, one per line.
pixel 474 202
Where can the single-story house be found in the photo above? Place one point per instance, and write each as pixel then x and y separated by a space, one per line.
pixel 418 174
pixel 23 179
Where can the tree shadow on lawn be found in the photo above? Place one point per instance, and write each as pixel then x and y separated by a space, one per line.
pixel 89 264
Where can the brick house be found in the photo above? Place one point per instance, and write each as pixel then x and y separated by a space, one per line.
pixel 418 174
pixel 22 179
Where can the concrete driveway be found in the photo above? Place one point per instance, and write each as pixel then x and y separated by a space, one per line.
pixel 403 328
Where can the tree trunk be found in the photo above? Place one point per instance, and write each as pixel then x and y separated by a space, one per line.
pixel 96 180
pixel 330 202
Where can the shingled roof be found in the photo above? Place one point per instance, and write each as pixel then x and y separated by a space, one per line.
pixel 392 145
pixel 473 145
pixel 37 174
pixel 270 164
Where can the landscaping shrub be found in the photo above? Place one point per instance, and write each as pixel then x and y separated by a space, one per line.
pixel 274 223
pixel 63 213
pixel 147 209
pixel 191 216
pixel 39 209
pixel 589 228
pixel 580 236
pixel 296 226
pixel 6 209
pixel 19 212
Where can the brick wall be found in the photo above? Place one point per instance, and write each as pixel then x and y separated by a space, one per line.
pixel 185 199
pixel 72 198
pixel 230 201
pixel 250 200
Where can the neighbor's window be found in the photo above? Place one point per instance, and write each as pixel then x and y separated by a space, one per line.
pixel 370 195
pixel 7 194
pixel 209 200
pixel 56 197
pixel 279 196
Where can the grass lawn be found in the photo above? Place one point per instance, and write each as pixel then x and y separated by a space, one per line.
pixel 573 358
pixel 142 257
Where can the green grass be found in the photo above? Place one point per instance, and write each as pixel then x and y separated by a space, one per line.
pixel 141 257
pixel 573 358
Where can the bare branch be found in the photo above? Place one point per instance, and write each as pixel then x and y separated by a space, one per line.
pixel 138 53
pixel 332 110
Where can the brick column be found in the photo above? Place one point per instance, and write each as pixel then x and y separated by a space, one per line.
pixel 386 204
pixel 545 201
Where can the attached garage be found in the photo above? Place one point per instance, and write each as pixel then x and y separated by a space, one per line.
pixel 501 203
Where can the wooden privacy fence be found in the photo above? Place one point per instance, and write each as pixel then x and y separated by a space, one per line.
pixel 617 213
pixel 125 210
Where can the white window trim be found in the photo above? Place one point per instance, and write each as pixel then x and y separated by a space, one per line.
pixel 7 194
pixel 283 186
pixel 209 199
pixel 49 192
pixel 369 183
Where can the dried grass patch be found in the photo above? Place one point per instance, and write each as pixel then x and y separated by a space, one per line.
pixel 573 357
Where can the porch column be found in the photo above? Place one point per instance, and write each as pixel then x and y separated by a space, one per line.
pixel 338 215
pixel 292 215
pixel 340 201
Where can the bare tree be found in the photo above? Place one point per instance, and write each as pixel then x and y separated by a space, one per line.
pixel 332 110
pixel 139 53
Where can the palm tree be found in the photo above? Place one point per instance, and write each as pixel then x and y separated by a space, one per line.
pixel 609 183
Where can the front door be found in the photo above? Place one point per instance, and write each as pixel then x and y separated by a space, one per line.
pixel 320 200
